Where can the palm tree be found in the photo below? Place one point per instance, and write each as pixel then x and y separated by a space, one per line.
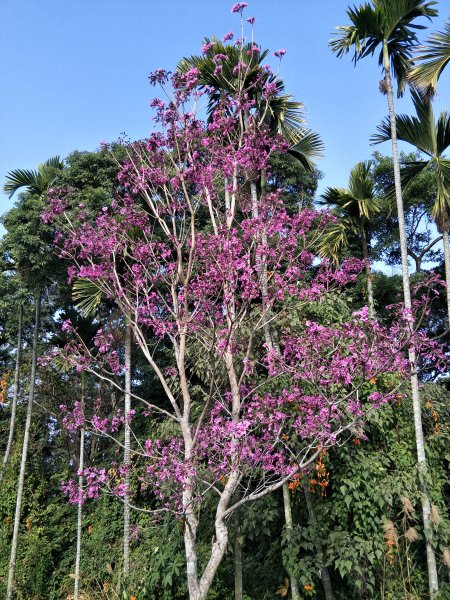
pixel 432 138
pixel 35 182
pixel 389 26
pixel 280 113
pixel 356 207
pixel 433 59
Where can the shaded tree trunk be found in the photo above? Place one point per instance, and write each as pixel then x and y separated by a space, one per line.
pixel 447 270
pixel 23 463
pixel 420 444
pixel 127 452
pixel 290 526
pixel 365 248
pixel 12 422
pixel 76 590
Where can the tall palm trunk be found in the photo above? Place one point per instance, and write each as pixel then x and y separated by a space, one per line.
pixel 447 269
pixel 76 590
pixel 365 249
pixel 127 452
pixel 12 422
pixel 262 272
pixel 420 445
pixel 23 463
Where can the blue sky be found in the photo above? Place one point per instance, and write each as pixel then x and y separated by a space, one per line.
pixel 75 73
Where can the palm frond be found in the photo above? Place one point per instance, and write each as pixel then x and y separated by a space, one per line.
pixel 442 133
pixel 86 295
pixel 433 59
pixel 441 207
pixel 309 147
pixel 335 238
pixel 19 178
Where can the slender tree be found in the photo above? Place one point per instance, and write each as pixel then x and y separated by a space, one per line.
pixel 356 206
pixel 127 451
pixel 76 590
pixel 390 26
pixel 12 421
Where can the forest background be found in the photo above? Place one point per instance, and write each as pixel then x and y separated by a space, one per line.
pixel 362 500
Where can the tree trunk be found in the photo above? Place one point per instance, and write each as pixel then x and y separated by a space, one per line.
pixel 290 526
pixel 237 559
pixel 365 249
pixel 324 572
pixel 262 272
pixel 261 268
pixel 420 445
pixel 127 452
pixel 76 588
pixel 447 271
pixel 12 422
pixel 23 463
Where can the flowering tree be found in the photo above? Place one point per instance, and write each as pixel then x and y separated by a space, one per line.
pixel 196 262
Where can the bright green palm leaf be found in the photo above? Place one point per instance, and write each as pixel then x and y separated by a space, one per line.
pixel 86 295
pixel 356 207
pixel 433 58
pixel 335 238
pixel 310 146
pixel 19 178
pixel 35 182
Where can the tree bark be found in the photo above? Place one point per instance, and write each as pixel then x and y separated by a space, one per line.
pixel 290 526
pixel 447 270
pixel 23 463
pixel 324 572
pixel 127 452
pixel 365 249
pixel 12 422
pixel 420 445
pixel 76 588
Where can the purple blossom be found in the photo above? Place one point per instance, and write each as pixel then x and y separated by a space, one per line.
pixel 67 326
pixel 280 53
pixel 239 7
pixel 207 47
pixel 228 36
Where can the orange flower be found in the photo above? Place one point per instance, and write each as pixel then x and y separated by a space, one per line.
pixel 133 598
pixel 105 586
pixel 308 587
pixel 28 523
pixel 373 380
pixel 89 529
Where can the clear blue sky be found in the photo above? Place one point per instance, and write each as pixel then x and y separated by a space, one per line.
pixel 75 72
